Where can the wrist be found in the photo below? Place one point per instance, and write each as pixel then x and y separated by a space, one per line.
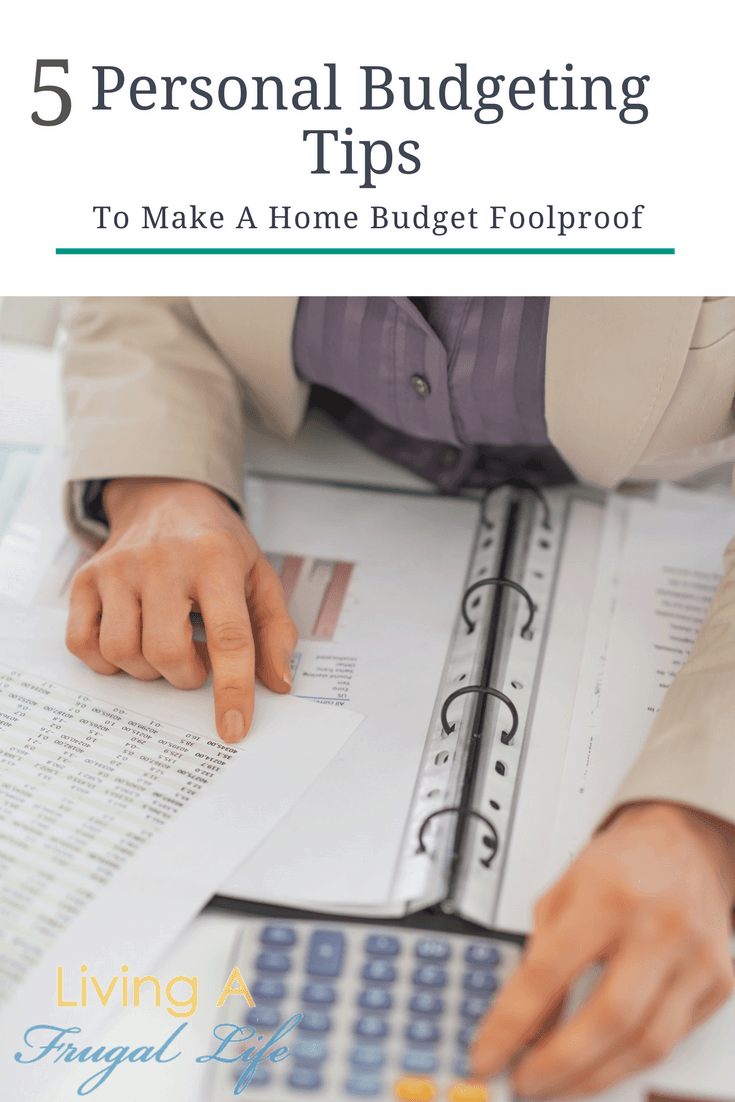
pixel 714 837
pixel 125 497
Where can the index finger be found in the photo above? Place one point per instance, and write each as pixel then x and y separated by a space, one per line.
pixel 541 980
pixel 231 652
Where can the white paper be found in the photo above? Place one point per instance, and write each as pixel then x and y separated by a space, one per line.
pixel 159 888
pixel 339 845
pixel 671 567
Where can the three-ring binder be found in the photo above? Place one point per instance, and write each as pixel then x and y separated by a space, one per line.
pixel 502 582
pixel 506 736
pixel 463 810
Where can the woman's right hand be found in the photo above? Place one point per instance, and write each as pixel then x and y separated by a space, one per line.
pixel 174 547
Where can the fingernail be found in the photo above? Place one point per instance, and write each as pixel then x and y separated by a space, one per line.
pixel 233 727
pixel 286 675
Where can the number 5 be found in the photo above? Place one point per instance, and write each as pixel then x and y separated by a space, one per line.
pixel 65 106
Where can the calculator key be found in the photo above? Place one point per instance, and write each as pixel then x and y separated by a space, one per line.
pixel 371 1027
pixel 429 976
pixel 418 1059
pixel 431 948
pixel 305 1079
pixel 325 953
pixel 320 993
pixel 260 1077
pixel 268 989
pixel 278 936
pixel 273 962
pixel 425 1032
pixel 375 998
pixel 367 1056
pixel 473 1008
pixel 467 1092
pixel 315 1021
pixel 479 981
pixel 461 1065
pixel 465 1035
pixel 379 971
pixel 310 1052
pixel 265 1016
pixel 482 953
pixel 426 1004
pixel 382 946
pixel 415 1090
pixel 363 1085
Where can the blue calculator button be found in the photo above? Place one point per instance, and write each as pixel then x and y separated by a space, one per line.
pixel 426 1004
pixel 431 948
pixel 418 1059
pixel 265 1016
pixel 268 989
pixel 260 1077
pixel 473 1008
pixel 304 1079
pixel 479 981
pixel 382 946
pixel 461 1066
pixel 278 936
pixel 364 1085
pixel 429 976
pixel 371 1027
pixel 424 1032
pixel 379 971
pixel 315 1021
pixel 325 953
pixel 273 962
pixel 465 1035
pixel 310 1052
pixel 482 953
pixel 375 998
pixel 320 993
pixel 367 1056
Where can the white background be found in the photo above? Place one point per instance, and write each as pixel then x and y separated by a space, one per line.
pixel 678 162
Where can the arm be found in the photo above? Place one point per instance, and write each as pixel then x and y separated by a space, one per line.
pixel 650 896
pixel 155 409
pixel 147 394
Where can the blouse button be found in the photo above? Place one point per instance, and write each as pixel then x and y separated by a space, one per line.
pixel 420 385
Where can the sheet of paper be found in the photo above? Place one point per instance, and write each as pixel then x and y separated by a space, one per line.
pixel 566 836
pixel 541 791
pixel 110 846
pixel 339 844
pixel 670 569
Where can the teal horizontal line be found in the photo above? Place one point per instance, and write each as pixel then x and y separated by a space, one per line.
pixel 365 252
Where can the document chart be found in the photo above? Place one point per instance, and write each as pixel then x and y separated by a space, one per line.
pixel 83 786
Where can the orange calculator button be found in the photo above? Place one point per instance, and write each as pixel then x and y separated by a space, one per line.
pixel 468 1092
pixel 415 1090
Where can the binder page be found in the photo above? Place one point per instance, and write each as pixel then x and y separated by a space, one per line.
pixel 541 790
pixel 121 811
pixel 670 569
pixel 585 716
pixel 409 556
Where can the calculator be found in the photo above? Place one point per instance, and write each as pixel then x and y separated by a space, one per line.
pixel 387 1011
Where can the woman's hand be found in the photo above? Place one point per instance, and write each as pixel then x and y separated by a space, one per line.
pixel 650 898
pixel 175 546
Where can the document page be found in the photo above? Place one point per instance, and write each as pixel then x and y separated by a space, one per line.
pixel 385 633
pixel 671 566
pixel 121 814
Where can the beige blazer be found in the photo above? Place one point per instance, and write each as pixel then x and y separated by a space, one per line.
pixel 166 386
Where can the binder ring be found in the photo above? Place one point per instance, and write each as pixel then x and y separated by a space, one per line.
pixel 498 581
pixel 523 484
pixel 506 736
pixel 464 813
